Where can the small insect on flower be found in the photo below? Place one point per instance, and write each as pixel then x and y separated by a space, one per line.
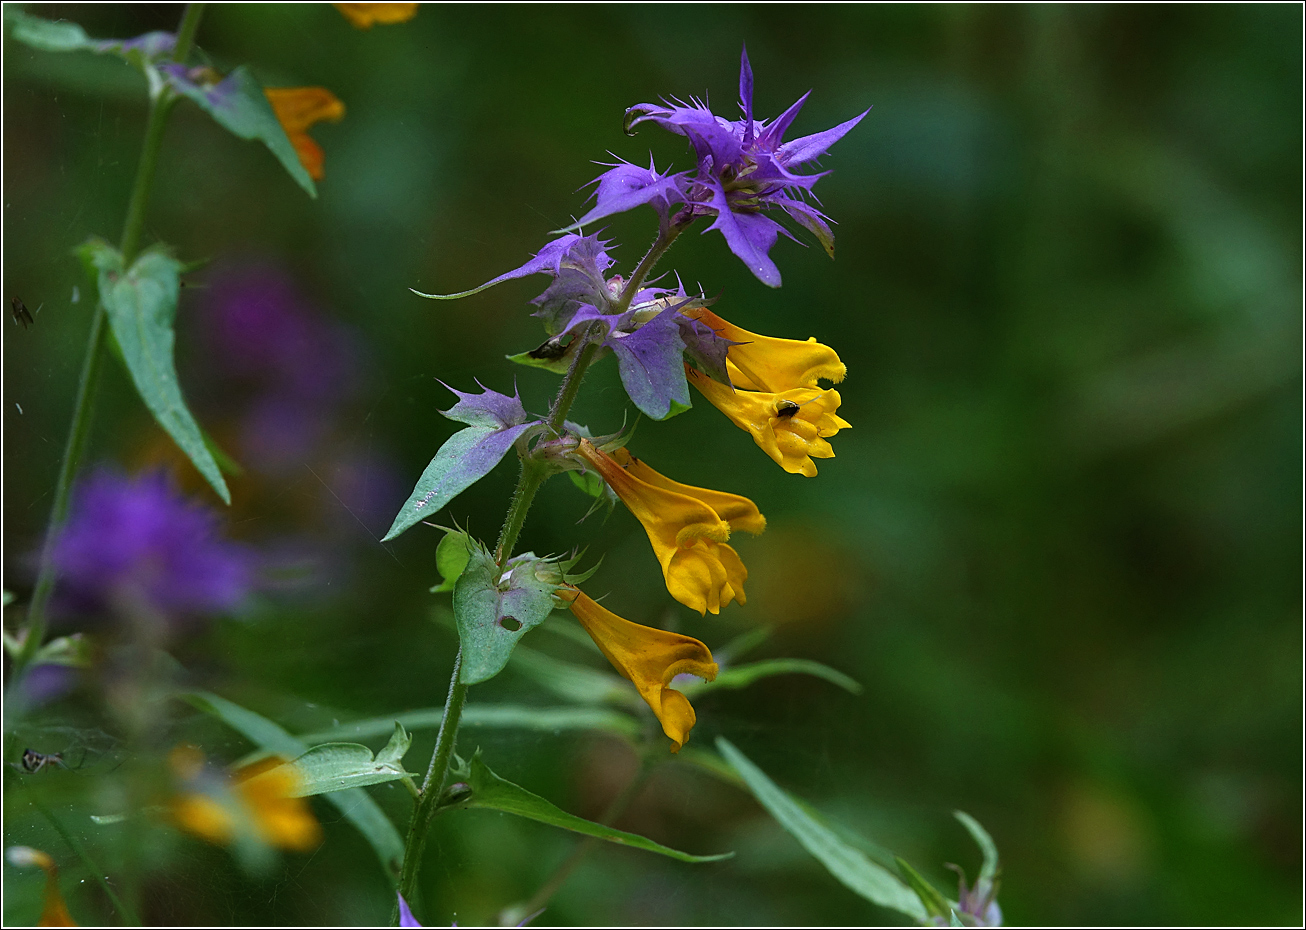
pixel 21 314
pixel 785 409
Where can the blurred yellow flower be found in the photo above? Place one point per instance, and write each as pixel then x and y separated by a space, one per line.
pixel 764 363
pixel 790 426
pixel 298 108
pixel 256 800
pixel 365 15
pixel 687 526
pixel 649 658
pixel 54 913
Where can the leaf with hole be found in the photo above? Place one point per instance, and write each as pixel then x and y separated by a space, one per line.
pixel 491 792
pixel 141 303
pixel 846 863
pixel 494 609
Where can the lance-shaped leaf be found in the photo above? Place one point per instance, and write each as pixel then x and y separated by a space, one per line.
pixel 495 421
pixel 489 716
pixel 488 790
pixel 142 305
pixel 339 766
pixel 651 364
pixel 845 862
pixel 741 676
pixel 62 36
pixel 355 803
pixel 237 103
pixel 494 609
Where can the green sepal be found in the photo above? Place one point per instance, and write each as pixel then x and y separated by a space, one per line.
pixel 141 303
pixel 935 904
pixel 451 557
pixel 481 788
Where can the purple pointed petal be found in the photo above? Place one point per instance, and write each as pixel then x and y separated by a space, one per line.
pixel 628 186
pixel 546 261
pixel 651 364
pixel 771 136
pixel 406 918
pixel 749 235
pixel 705 348
pixel 488 409
pixel 746 95
pixel 814 146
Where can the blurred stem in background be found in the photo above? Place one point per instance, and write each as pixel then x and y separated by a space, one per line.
pixel 533 475
pixel 161 102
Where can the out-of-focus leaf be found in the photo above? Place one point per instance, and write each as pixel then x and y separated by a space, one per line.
pixel 989 868
pixel 936 905
pixel 451 557
pixel 141 303
pixel 237 103
pixel 73 650
pixel 357 806
pixel 491 716
pixel 851 866
pixel 62 36
pixel 741 676
pixel 465 458
pixel 707 761
pixel 338 766
pixel 490 791
pixel 494 610
pixel 579 684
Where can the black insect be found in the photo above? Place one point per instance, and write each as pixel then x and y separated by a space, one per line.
pixel 784 409
pixel 21 314
pixel 33 761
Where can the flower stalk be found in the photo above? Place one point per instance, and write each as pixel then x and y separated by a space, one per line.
pixel 80 425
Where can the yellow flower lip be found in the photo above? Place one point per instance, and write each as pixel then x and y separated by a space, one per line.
pixel 365 15
pixel 791 427
pixel 649 658
pixel 687 526
pixel 297 109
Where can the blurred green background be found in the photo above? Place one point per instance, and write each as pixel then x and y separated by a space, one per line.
pixel 1061 546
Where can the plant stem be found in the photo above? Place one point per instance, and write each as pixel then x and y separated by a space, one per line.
pixel 80 426
pixel 656 251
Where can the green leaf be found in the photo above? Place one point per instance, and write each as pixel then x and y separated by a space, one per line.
pixel 989 869
pixel 490 716
pixel 558 365
pixel 491 792
pixel 451 557
pixel 237 103
pixel 62 36
pixel 741 676
pixel 495 610
pixel 851 866
pixel 356 804
pixel 570 681
pixel 936 905
pixel 393 752
pixel 73 651
pixel 589 482
pixel 142 305
pixel 339 766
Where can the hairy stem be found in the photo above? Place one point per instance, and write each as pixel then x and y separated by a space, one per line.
pixel 666 236
pixel 80 425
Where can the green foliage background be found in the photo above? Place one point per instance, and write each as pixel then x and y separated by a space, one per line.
pixel 1061 546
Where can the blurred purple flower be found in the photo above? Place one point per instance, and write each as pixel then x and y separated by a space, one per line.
pixel 139 541
pixel 744 167
pixel 46 682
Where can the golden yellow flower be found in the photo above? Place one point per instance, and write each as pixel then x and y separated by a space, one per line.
pixel 54 913
pixel 791 426
pixel 257 798
pixel 649 658
pixel 764 363
pixel 298 108
pixel 687 526
pixel 364 15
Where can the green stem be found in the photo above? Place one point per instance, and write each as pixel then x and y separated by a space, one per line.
pixel 80 426
pixel 656 251
pixel 125 912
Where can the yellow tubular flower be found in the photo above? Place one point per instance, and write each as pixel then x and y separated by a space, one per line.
pixel 649 658
pixel 364 15
pixel 687 532
pixel 763 363
pixel 258 798
pixel 791 426
pixel 298 108
pixel 54 913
